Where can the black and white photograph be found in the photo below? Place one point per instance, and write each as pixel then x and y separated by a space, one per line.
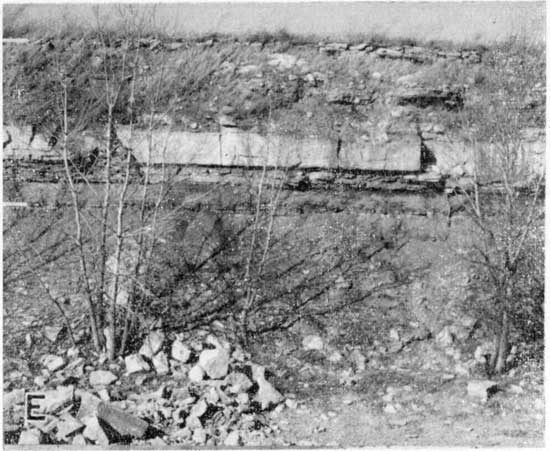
pixel 273 224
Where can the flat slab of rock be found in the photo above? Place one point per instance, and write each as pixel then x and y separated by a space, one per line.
pixel 122 423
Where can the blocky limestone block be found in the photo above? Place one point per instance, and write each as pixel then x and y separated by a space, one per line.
pixel 450 154
pixel 447 155
pixel 20 142
pixel 399 153
pixel 251 149
pixel 174 147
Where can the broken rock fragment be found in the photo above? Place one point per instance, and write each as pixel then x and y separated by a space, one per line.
pixel 67 426
pixel 314 342
pixel 12 398
pixel 57 399
pixel 267 396
pixel 79 440
pixel 160 362
pixel 214 362
pixel 122 423
pixel 102 377
pixel 199 436
pixel 196 374
pixel 52 332
pixel 482 389
pixel 238 382
pixel 135 363
pixel 94 432
pixel 88 404
pixel 233 439
pixel 199 409
pixel 31 437
pixel 181 352
pixel 52 362
pixel 192 423
pixel 152 344
pixel 358 359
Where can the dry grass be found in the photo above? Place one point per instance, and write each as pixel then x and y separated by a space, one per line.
pixel 195 82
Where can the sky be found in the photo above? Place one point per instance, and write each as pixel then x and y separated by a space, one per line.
pixel 480 21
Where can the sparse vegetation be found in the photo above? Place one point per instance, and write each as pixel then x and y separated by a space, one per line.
pixel 340 281
pixel 509 217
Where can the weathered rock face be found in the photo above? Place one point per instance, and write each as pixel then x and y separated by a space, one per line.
pixel 394 151
pixel 448 98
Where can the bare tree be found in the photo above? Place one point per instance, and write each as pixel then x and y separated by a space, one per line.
pixel 504 200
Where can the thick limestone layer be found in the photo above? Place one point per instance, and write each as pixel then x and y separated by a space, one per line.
pixel 236 148
pixel 400 154
pixel 232 147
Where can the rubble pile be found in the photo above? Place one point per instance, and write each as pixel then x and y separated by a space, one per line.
pixel 207 392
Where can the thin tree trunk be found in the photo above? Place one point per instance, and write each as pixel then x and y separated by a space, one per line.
pixel 120 241
pixel 105 207
pixel 250 290
pixel 78 235
pixel 503 344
